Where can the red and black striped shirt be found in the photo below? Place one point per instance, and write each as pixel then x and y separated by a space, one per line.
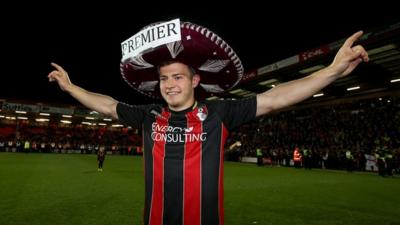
pixel 183 156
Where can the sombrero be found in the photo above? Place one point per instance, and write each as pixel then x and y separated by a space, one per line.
pixel 213 59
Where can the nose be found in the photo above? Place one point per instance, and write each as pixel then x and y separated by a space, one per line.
pixel 169 83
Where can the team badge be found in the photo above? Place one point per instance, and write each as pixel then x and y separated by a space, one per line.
pixel 201 114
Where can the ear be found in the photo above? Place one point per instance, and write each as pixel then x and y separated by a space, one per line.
pixel 195 80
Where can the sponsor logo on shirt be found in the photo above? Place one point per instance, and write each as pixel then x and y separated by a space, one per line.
pixel 171 134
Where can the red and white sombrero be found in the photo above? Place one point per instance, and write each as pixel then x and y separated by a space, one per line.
pixel 213 59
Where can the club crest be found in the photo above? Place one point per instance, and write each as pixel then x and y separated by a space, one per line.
pixel 201 114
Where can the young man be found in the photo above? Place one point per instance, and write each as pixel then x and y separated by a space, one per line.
pixel 184 142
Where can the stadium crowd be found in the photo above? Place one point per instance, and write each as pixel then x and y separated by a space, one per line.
pixel 334 136
pixel 68 139
pixel 324 134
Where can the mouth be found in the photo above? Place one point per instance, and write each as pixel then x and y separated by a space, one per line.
pixel 172 93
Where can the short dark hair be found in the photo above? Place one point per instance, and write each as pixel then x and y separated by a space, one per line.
pixel 169 62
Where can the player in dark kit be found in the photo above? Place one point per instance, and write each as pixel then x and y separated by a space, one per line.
pixel 184 141
pixel 101 155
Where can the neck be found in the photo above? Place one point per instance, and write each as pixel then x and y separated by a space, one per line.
pixel 192 104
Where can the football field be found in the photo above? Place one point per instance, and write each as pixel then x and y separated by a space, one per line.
pixel 67 189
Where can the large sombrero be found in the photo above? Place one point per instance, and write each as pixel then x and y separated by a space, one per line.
pixel 219 67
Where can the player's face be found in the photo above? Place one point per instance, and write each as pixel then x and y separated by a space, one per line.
pixel 177 86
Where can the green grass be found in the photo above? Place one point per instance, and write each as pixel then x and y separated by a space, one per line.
pixel 66 189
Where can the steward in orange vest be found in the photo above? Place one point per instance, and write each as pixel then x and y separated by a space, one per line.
pixel 297 157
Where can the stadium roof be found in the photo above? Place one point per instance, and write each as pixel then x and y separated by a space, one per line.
pixel 379 77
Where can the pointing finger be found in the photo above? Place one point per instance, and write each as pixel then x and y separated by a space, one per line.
pixel 353 38
pixel 59 68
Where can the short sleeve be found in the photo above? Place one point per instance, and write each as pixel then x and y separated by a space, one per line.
pixel 236 112
pixel 130 115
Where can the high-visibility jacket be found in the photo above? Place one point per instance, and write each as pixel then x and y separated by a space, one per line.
pixel 259 152
pixel 349 155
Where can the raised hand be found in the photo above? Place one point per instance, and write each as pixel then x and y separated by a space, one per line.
pixel 349 57
pixel 60 76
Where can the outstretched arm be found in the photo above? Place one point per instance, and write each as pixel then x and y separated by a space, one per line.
pixel 346 60
pixel 101 103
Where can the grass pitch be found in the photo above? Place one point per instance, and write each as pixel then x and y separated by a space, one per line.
pixel 67 189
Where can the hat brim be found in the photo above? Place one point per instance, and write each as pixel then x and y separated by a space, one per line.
pixel 213 59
